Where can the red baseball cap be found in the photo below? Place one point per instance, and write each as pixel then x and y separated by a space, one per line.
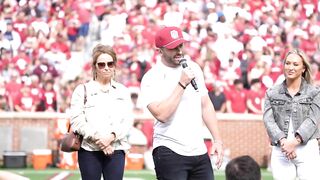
pixel 169 37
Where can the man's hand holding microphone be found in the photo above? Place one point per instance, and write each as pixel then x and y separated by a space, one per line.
pixel 187 75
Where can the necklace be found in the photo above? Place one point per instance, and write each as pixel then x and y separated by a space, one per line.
pixel 293 91
pixel 104 89
pixel 103 86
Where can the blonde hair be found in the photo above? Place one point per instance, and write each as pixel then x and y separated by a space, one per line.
pixel 305 60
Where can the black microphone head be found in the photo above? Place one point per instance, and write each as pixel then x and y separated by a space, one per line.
pixel 183 62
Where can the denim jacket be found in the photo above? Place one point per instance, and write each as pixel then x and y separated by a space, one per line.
pixel 303 109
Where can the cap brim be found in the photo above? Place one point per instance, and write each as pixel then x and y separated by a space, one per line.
pixel 175 43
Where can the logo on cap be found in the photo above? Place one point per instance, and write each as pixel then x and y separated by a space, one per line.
pixel 174 34
pixel 169 37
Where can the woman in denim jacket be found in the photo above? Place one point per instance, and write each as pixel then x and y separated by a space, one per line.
pixel 291 117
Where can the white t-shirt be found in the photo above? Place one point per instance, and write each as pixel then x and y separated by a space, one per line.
pixel 182 133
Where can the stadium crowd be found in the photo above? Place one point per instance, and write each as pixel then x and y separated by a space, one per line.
pixel 240 44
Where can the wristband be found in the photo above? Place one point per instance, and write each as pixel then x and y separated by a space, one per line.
pixel 184 87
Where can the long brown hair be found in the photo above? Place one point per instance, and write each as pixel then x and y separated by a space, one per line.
pixel 307 73
pixel 97 51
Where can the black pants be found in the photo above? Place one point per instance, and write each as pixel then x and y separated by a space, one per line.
pixel 94 163
pixel 172 166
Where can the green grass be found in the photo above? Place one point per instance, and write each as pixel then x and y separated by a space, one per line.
pixel 75 174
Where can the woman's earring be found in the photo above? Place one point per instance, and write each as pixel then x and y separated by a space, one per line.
pixel 114 75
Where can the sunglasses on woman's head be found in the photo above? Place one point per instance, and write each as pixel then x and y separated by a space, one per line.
pixel 102 65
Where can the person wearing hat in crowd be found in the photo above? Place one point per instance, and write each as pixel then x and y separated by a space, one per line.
pixel 180 110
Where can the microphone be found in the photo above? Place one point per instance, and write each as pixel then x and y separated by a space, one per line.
pixel 183 63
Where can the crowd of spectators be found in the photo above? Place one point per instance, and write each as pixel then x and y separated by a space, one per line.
pixel 240 44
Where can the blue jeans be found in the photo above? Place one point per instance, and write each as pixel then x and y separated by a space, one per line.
pixel 172 166
pixel 83 30
pixel 94 163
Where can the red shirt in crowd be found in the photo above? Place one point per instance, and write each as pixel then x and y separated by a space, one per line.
pixel 238 99
pixel 4 62
pixel 62 46
pixel 309 46
pixel 21 62
pixel 49 100
pixel 24 101
pixel 36 92
pixel 256 98
pixel 13 86
pixel 49 97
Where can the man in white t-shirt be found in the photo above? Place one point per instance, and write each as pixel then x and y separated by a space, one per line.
pixel 180 111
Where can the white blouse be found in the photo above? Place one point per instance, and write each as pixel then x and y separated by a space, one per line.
pixel 103 113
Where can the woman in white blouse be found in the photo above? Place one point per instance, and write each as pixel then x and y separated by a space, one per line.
pixel 104 119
